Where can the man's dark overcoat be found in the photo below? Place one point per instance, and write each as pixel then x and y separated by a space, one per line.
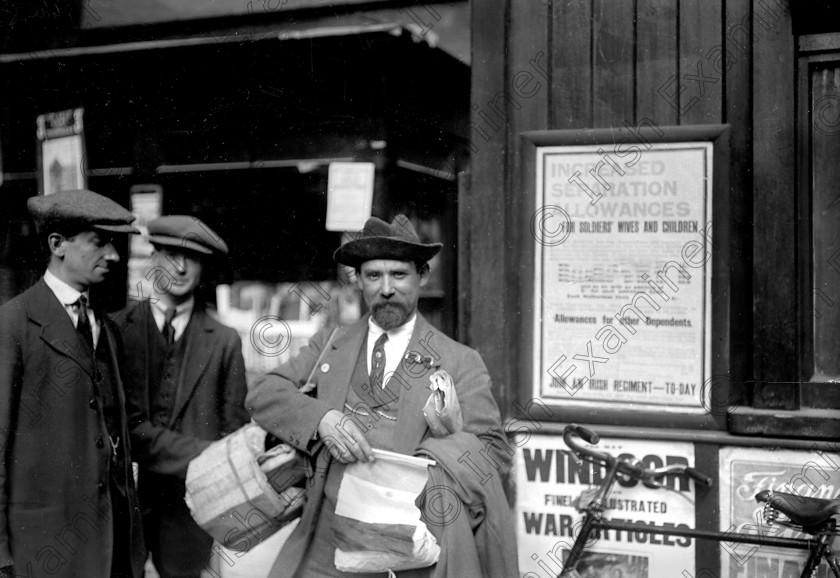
pixel 56 509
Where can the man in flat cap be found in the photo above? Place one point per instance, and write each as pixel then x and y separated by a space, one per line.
pixel 67 502
pixel 185 385
pixel 372 382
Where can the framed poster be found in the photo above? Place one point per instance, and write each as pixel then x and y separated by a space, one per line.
pixel 549 480
pixel 746 471
pixel 61 152
pixel 628 235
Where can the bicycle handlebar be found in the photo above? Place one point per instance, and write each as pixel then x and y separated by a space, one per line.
pixel 699 476
pixel 634 470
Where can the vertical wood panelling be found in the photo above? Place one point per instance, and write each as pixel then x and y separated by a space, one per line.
pixel 613 63
pixel 738 112
pixel 484 210
pixel 774 240
pixel 707 552
pixel 530 88
pixel 656 60
pixel 701 87
pixel 571 51
pixel 825 243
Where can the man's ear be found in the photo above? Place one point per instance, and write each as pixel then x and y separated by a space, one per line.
pixel 55 241
pixel 424 276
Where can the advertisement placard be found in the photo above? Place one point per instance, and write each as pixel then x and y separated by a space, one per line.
pixel 549 480
pixel 746 471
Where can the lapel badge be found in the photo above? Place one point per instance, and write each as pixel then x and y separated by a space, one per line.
pixel 325 367
pixel 414 357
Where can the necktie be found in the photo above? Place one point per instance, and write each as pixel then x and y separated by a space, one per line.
pixel 377 363
pixel 83 325
pixel 168 330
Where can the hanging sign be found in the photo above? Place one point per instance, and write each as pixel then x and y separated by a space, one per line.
pixel 349 195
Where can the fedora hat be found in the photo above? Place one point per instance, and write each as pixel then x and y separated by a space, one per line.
pixel 380 240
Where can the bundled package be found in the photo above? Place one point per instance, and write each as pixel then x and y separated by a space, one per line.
pixel 237 488
pixel 378 526
pixel 442 410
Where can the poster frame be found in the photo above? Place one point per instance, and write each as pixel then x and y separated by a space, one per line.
pixel 713 414
pixel 62 124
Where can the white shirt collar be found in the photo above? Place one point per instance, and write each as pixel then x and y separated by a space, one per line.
pixel 68 297
pixel 183 313
pixel 64 292
pixel 184 308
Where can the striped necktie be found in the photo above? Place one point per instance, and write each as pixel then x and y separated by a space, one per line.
pixel 377 363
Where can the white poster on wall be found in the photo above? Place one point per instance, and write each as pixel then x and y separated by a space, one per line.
pixel 146 205
pixel 349 195
pixel 549 480
pixel 746 471
pixel 623 277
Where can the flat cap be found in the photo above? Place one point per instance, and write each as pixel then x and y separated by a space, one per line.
pixel 79 209
pixel 380 240
pixel 186 232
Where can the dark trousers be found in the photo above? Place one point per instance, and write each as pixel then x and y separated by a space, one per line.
pixel 121 520
pixel 180 549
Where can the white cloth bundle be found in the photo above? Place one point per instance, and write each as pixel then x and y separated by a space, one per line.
pixel 378 527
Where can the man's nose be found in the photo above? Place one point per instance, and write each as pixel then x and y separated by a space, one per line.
pixel 180 263
pixel 387 287
pixel 111 253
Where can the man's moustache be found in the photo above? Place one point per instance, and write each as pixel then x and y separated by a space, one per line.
pixel 383 304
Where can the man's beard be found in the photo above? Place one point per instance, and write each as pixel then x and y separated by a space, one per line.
pixel 390 314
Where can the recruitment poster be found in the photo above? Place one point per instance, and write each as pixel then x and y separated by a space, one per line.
pixel 549 480
pixel 623 276
pixel 746 471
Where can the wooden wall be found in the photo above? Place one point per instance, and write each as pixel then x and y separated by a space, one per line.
pixel 564 64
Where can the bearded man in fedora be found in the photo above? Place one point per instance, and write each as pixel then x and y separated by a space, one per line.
pixel 371 383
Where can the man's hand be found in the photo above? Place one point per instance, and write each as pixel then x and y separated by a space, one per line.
pixel 343 438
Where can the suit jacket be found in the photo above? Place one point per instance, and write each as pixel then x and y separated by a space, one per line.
pixel 277 405
pixel 211 391
pixel 56 510
pixel 208 405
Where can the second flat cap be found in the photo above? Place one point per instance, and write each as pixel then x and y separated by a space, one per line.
pixel 186 232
